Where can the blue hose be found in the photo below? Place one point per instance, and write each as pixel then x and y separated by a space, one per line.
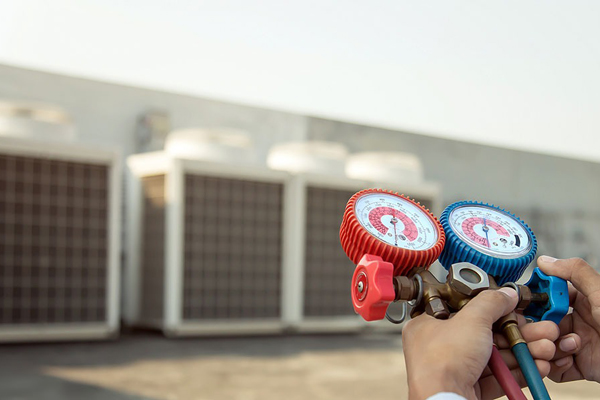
pixel 532 376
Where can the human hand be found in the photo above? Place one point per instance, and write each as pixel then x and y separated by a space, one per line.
pixel 452 355
pixel 578 348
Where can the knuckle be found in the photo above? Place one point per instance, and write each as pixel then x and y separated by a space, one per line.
pixel 409 327
pixel 594 299
pixel 542 329
pixel 551 330
pixel 546 349
pixel 485 299
pixel 577 268
pixel 578 262
pixel 491 295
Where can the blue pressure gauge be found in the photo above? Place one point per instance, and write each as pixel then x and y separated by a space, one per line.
pixel 493 239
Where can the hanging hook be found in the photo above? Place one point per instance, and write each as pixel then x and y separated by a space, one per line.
pixel 402 316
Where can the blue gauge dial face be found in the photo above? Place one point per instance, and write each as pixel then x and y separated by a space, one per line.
pixel 491 231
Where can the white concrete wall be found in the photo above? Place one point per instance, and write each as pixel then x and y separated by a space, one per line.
pixel 558 197
pixel 106 114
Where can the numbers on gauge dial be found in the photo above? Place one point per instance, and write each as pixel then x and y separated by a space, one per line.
pixel 490 231
pixel 396 221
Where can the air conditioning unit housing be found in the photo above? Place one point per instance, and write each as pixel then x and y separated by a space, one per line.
pixel 59 241
pixel 206 246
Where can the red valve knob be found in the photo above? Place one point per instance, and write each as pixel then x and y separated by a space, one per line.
pixel 372 287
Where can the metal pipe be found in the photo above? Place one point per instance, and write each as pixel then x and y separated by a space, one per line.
pixel 539 297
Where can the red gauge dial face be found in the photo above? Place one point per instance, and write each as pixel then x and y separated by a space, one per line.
pixel 382 217
pixel 491 231
pixel 396 221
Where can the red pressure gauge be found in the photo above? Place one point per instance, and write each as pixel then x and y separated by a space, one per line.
pixel 386 234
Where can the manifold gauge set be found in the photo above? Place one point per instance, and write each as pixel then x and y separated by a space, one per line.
pixel 393 240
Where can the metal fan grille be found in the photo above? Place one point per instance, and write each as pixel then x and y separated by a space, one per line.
pixel 53 241
pixel 153 248
pixel 232 262
pixel 328 270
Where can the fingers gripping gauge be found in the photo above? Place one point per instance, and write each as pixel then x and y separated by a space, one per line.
pixel 387 235
pixel 491 238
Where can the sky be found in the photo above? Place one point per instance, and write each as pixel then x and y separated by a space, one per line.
pixel 517 74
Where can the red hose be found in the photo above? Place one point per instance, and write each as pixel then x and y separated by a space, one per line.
pixel 504 377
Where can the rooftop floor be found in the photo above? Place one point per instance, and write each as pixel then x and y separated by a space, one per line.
pixel 147 366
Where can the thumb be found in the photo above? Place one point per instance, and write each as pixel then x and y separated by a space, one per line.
pixel 489 305
pixel 583 277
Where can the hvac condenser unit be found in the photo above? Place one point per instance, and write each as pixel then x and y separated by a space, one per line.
pixel 205 246
pixel 59 241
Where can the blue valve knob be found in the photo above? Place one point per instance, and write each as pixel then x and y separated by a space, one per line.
pixel 557 290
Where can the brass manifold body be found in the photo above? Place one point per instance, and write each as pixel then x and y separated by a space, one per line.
pixel 464 281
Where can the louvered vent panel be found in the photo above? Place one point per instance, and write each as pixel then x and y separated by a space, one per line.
pixel 233 254
pixel 53 241
pixel 153 248
pixel 328 271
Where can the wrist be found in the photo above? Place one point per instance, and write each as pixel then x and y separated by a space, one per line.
pixel 420 387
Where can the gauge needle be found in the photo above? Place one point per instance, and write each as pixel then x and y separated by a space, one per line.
pixel 486 229
pixel 394 222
